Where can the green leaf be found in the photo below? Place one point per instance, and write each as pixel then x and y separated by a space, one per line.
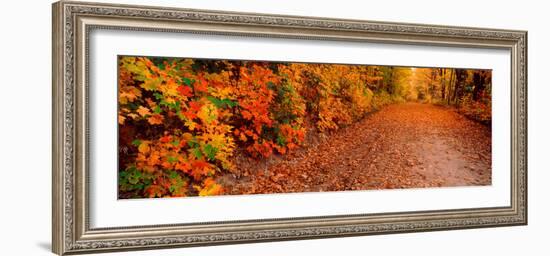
pixel 138 186
pixel 196 152
pixel 161 66
pixel 231 103
pixel 187 81
pixel 210 151
pixel 281 140
pixel 136 142
pixel 175 105
pixel 172 159
pixel 158 96
pixel 221 103
pixel 191 143
pixel 180 115
pixel 217 102
pixel 157 110
pixel 122 174
pixel 173 175
pixel 134 177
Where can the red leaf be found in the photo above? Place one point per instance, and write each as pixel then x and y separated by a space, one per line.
pixel 201 86
pixel 165 139
pixel 185 91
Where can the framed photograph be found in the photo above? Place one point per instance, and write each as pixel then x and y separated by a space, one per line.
pixel 178 127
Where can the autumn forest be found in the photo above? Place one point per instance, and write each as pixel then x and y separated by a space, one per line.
pixel 201 127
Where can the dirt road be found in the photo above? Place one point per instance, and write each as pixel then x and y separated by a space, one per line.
pixel 405 145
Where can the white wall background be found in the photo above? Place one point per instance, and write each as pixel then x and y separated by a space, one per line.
pixel 25 114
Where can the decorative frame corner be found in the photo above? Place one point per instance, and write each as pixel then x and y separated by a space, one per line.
pixel 72 21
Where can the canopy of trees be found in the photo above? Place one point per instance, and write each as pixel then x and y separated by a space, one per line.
pixel 469 90
pixel 182 120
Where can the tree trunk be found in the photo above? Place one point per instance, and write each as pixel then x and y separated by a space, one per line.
pixel 459 85
pixel 432 83
pixel 479 84
pixel 450 87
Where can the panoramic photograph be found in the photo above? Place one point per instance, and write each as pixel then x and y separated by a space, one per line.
pixel 204 127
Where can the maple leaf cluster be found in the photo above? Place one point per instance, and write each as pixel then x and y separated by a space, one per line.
pixel 182 120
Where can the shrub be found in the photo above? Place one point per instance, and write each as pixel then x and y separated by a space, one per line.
pixel 181 120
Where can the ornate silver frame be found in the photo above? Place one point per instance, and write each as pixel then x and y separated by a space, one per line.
pixel 72 21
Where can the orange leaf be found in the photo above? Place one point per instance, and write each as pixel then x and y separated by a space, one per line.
pixel 154 191
pixel 183 166
pixel 155 119
pixel 200 164
pixel 200 168
pixel 246 115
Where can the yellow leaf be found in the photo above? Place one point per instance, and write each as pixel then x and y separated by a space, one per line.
pixel 223 93
pixel 170 89
pixel 133 115
pixel 144 147
pixel 151 83
pixel 128 94
pixel 190 124
pixel 170 100
pixel 208 113
pixel 143 111
pixel 210 188
pixel 121 119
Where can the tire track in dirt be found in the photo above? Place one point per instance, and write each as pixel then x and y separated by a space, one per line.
pixel 407 145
